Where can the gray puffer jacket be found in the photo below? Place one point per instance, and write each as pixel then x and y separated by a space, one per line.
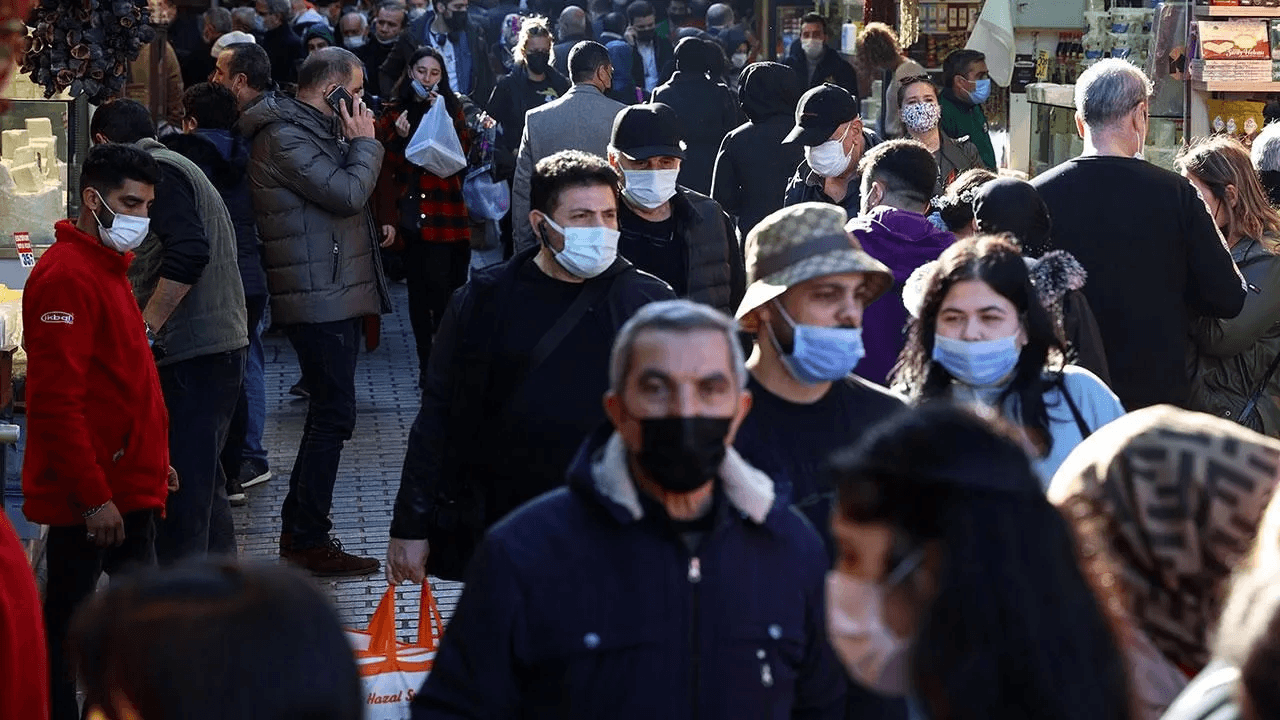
pixel 311 191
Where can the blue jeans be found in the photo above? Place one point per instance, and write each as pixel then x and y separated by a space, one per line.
pixel 327 353
pixel 255 392
pixel 201 394
pixel 238 433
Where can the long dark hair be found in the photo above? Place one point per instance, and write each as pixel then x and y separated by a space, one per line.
pixel 1010 627
pixel 406 98
pixel 996 261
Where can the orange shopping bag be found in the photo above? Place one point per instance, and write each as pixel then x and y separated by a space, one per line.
pixel 393 671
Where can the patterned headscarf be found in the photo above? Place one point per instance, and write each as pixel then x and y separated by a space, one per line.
pixel 1176 497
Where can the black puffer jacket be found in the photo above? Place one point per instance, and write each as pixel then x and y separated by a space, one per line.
pixel 831 67
pixel 753 166
pixel 224 157
pixel 311 192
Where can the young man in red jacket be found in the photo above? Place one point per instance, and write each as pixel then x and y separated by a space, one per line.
pixel 96 468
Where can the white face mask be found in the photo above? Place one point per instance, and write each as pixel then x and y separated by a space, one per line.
pixel 126 232
pixel 588 251
pixel 829 159
pixel 650 188
pixel 739 60
pixel 872 655
pixel 812 48
pixel 354 42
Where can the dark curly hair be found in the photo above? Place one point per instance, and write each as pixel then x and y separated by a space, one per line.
pixel 956 204
pixel 996 261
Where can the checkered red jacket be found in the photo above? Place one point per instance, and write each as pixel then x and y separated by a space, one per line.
pixel 441 215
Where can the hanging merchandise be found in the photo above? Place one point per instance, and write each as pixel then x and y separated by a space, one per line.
pixel 85 46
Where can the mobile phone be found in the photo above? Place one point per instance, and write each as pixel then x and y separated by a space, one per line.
pixel 340 95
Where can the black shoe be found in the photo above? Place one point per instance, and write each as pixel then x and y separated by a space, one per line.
pixel 254 472
pixel 299 390
pixel 235 493
pixel 329 560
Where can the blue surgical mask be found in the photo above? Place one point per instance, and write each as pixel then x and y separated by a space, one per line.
pixel 981 91
pixel 981 363
pixel 420 90
pixel 819 354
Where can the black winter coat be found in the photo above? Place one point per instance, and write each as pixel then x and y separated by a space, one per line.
pixel 224 156
pixel 831 68
pixel 586 603
pixel 707 113
pixel 469 434
pixel 753 166
pixel 806 185
pixel 714 268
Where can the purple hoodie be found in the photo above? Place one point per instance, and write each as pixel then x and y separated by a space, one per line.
pixel 904 241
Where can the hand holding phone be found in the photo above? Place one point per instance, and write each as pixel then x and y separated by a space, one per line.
pixel 358 122
pixel 339 98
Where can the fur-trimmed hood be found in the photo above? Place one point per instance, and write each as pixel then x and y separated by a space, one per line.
pixel 601 471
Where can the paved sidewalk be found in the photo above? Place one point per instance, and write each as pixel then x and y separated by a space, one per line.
pixel 387 401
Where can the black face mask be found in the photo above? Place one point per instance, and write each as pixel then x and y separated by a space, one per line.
pixel 646 36
pixel 681 454
pixel 457 20
pixel 678 19
pixel 537 62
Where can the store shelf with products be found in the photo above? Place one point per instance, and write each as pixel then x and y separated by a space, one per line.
pixel 1229 11
pixel 1231 105
pixel 1235 86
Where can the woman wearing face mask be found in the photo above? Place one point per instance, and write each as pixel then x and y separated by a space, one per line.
pixel 920 114
pixel 427 212
pixel 737 52
pixel 958 585
pixel 981 336
pixel 531 82
pixel 1236 375
pixel 706 109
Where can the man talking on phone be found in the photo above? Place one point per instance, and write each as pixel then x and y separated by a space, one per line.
pixel 313 167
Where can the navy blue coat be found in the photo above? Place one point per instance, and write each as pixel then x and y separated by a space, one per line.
pixel 574 608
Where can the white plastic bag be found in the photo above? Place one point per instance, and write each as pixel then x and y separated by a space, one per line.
pixel 486 198
pixel 392 672
pixel 435 146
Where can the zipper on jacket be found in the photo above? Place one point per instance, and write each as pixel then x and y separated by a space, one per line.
pixel 695 657
pixel 335 261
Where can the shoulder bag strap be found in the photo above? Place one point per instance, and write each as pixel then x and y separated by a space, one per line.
pixel 592 291
pixel 1257 391
pixel 1075 411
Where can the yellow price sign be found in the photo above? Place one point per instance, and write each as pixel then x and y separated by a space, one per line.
pixel 1042 65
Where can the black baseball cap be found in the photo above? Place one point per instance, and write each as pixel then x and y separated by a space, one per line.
pixel 820 111
pixel 647 130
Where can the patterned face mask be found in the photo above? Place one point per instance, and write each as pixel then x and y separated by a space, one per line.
pixel 921 117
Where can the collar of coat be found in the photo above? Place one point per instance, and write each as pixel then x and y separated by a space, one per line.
pixel 747 489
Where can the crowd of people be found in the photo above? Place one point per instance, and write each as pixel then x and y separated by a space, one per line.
pixel 771 410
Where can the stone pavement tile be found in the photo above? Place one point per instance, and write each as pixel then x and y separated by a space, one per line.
pixel 387 400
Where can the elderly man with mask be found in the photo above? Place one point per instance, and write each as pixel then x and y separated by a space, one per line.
pixel 1172 264
pixel 829 126
pixel 517 369
pixel 650 587
pixel 671 231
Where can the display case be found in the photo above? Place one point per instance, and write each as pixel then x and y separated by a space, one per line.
pixel 1054 139
pixel 42 143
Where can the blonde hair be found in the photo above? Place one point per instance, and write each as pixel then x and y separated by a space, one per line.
pixel 1219 161
pixel 531 27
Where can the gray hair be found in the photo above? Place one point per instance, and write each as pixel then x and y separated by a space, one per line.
pixel 573 21
pixel 219 18
pixel 280 7
pixel 680 316
pixel 1266 148
pixel 364 20
pixel 327 65
pixel 244 19
pixel 719 15
pixel 1109 90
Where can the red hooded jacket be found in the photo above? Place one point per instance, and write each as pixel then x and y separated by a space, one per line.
pixel 97 429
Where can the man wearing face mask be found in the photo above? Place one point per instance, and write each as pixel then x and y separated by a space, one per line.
pixel 517 369
pixel 656 53
pixel 96 467
pixel 448 28
pixel 313 167
pixel 282 43
pixel 681 236
pixel 669 580
pixel 1109 192
pixel 829 127
pixel 187 281
pixel 388 23
pixel 897 183
pixel 816 62
pixel 580 120
pixel 966 85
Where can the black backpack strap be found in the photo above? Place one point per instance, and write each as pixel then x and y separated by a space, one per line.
pixel 1075 411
